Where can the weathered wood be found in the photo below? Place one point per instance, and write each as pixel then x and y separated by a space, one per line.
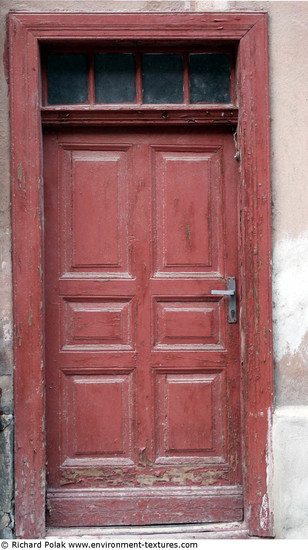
pixel 177 27
pixel 139 115
pixel 191 531
pixel 249 31
pixel 171 420
pixel 75 507
pixel 256 315
pixel 27 283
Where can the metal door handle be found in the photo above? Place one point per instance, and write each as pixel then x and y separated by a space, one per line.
pixel 223 292
pixel 231 292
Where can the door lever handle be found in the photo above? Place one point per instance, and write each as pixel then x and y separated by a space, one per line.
pixel 231 292
pixel 223 292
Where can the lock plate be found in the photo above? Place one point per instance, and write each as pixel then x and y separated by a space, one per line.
pixel 231 293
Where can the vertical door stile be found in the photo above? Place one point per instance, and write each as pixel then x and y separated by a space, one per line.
pixel 142 252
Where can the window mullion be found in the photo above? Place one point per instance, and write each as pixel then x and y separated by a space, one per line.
pixel 186 79
pixel 139 93
pixel 91 79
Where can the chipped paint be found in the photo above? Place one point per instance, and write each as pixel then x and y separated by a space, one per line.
pixel 187 232
pixel 30 317
pixel 143 477
pixel 19 173
pixel 264 512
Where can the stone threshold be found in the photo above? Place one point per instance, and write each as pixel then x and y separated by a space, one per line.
pixel 191 531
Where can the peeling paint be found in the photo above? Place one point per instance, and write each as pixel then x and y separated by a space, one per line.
pixel 290 261
pixel 269 469
pixel 264 512
pixel 6 477
pixel 30 317
pixel 187 232
pixel 19 173
pixel 143 477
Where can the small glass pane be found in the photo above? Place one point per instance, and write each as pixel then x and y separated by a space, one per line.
pixel 115 77
pixel 67 76
pixel 162 76
pixel 209 79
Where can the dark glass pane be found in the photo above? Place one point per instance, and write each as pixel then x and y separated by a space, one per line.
pixel 162 76
pixel 115 77
pixel 209 77
pixel 67 78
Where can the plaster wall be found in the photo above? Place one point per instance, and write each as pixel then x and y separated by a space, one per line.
pixel 288 46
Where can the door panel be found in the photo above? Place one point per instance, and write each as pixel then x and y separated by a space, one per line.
pixel 93 210
pixel 186 182
pixel 142 367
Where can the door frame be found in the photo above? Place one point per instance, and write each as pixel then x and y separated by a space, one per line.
pixel 27 32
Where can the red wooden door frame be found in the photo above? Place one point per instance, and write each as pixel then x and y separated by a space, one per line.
pixel 249 30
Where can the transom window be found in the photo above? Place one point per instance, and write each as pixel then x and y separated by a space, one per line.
pixel 130 77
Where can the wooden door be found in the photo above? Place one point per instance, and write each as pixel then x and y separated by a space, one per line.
pixel 142 365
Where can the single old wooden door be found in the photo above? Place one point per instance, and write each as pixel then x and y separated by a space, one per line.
pixel 142 365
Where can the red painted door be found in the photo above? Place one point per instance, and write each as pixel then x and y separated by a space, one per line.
pixel 142 365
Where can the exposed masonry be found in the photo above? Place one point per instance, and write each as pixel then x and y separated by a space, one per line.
pixel 6 416
pixel 6 476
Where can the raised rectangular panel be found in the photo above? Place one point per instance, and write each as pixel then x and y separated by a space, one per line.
pixel 97 416
pixel 189 416
pixel 189 413
pixel 95 224
pixel 187 324
pixel 187 186
pixel 95 180
pixel 97 323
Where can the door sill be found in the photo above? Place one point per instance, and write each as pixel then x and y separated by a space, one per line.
pixel 233 530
